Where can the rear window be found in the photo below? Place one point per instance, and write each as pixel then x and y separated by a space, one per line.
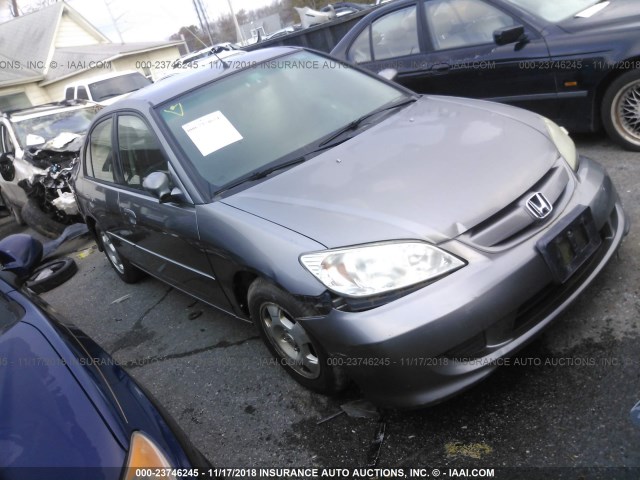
pixel 112 87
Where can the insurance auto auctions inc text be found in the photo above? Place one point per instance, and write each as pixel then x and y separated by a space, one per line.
pixel 349 473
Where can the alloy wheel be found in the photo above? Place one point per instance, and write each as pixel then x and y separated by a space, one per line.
pixel 112 253
pixel 626 110
pixel 290 341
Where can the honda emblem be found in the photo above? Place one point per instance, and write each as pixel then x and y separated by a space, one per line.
pixel 539 206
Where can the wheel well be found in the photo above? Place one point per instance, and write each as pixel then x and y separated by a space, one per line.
pixel 606 82
pixel 241 283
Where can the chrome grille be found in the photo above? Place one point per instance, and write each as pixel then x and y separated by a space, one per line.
pixel 515 222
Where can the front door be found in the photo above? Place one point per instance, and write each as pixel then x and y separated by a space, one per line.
pixel 163 237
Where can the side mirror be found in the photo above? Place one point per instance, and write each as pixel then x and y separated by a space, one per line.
pixel 389 74
pixel 509 35
pixel 20 253
pixel 157 183
pixel 33 140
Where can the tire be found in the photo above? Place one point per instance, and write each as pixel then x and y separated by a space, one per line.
pixel 40 221
pixel 274 311
pixel 621 110
pixel 51 274
pixel 125 270
pixel 16 212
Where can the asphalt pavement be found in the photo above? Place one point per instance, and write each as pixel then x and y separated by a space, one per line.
pixel 563 402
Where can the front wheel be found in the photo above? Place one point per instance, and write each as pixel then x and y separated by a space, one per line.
pixel 621 110
pixel 274 311
pixel 125 270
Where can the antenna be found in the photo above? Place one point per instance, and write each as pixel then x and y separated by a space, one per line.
pixel 225 65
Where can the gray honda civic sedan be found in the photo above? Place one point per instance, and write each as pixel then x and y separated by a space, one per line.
pixel 405 243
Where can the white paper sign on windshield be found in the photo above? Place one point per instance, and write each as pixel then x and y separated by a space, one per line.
pixel 211 132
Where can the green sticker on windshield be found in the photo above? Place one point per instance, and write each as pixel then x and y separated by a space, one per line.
pixel 175 110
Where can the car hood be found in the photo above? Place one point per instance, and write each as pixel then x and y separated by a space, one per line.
pixel 431 171
pixel 619 14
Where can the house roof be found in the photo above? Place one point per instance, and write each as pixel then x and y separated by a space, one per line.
pixel 27 39
pixel 73 60
pixel 27 48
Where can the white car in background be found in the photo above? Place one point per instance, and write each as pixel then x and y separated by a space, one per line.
pixel 106 89
pixel 38 148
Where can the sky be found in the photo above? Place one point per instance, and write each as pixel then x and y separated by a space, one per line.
pixel 146 20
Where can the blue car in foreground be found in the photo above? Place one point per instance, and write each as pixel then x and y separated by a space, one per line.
pixel 67 410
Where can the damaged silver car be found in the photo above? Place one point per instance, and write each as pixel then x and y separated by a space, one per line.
pixel 407 243
pixel 38 148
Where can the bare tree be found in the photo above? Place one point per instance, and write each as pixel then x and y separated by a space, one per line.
pixel 34 6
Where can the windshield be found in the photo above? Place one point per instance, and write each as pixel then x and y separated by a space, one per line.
pixel 50 126
pixel 260 116
pixel 554 10
pixel 115 86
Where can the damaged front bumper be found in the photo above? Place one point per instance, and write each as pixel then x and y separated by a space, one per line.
pixel 43 176
pixel 438 341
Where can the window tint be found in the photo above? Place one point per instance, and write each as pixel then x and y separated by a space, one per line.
pixel 14 101
pixel 139 151
pixel 101 158
pixel 112 87
pixel 360 50
pixel 396 34
pixel 82 93
pixel 68 93
pixel 463 23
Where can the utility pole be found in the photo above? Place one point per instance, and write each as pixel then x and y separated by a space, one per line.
pixel 235 22
pixel 113 20
pixel 204 20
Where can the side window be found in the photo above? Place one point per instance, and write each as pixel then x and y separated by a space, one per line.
pixel 138 150
pixel 68 93
pixel 360 49
pixel 82 93
pixel 463 23
pixel 100 165
pixel 396 34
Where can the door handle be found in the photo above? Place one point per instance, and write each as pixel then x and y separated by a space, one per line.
pixel 131 216
pixel 441 68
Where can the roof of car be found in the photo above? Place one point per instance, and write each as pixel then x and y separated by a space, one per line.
pixel 168 88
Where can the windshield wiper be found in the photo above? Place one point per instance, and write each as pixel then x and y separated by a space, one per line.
pixel 357 123
pixel 324 145
pixel 259 174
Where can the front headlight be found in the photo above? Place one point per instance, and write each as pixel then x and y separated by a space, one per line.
pixel 378 268
pixel 563 143
pixel 144 453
